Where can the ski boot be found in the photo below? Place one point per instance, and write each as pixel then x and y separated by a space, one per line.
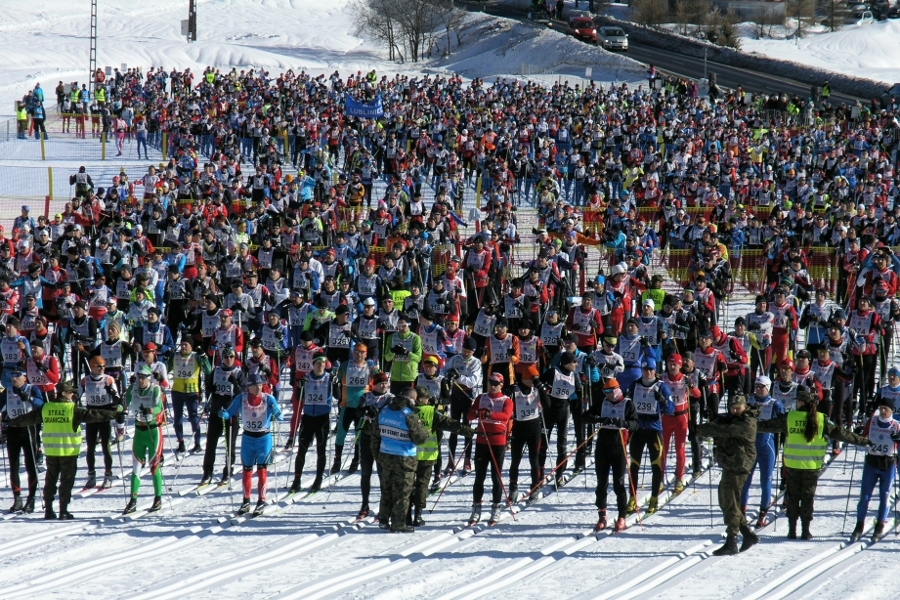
pixel 354 465
pixel 226 477
pixel 131 506
pixel 316 485
pixel 29 505
pixel 49 514
pixel 206 479
pixel 363 512
pixel 750 538
pixel 792 529
pixel 107 480
pixel 295 486
pixel 157 504
pixel 620 525
pixel 64 514
pixel 181 449
pixel 496 510
pixel 448 470
pixel 601 521
pixel 91 480
pixel 476 514
pixel 245 507
pixel 197 447
pixel 879 531
pixel 805 533
pixel 418 521
pixel 335 466
pixel 290 443
pixel 467 468
pixel 679 486
pixel 260 507
pixel 632 505
pixel 18 504
pixel 653 506
pixel 730 548
pixel 762 521
pixel 857 531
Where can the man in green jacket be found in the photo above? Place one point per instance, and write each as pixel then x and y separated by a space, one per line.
pixel 62 421
pixel 404 352
pixel 735 452
pixel 144 401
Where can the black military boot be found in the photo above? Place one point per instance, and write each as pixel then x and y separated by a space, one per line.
pixel 750 538
pixel 792 529
pixel 730 548
pixel 64 514
pixel 805 533
pixel 418 521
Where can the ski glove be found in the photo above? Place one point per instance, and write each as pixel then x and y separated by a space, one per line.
pixel 224 414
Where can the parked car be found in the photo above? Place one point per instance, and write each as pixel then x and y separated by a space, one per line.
pixel 613 38
pixel 866 18
pixel 583 28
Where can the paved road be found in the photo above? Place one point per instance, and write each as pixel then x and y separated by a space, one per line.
pixel 671 62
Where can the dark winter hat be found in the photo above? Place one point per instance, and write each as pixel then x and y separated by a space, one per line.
pixel 470 344
pixel 343 309
pixel 255 379
pixel 737 400
pixel 566 358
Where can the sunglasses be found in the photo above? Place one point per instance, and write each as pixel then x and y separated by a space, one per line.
pixel 496 383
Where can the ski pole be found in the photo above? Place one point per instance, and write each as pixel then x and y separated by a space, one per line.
pixel 452 470
pixel 631 482
pixel 547 441
pixel 270 459
pixel 566 458
pixel 343 468
pixel 850 487
pixel 5 476
pixel 228 459
pixel 497 467
pixel 31 446
pixel 711 464
pixel 121 468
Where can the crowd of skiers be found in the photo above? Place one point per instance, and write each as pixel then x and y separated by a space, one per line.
pixel 212 285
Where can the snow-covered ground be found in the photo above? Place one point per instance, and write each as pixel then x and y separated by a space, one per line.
pixel 308 549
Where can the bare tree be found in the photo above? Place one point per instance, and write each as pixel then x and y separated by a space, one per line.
pixel 691 12
pixel 835 11
pixel 765 20
pixel 804 14
pixel 377 20
pixel 650 12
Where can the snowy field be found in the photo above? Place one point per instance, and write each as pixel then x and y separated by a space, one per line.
pixel 309 548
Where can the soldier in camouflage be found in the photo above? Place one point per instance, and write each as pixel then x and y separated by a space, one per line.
pixel 735 451
pixel 394 444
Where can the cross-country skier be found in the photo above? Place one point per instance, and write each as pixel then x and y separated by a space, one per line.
pixel 144 401
pixel 255 411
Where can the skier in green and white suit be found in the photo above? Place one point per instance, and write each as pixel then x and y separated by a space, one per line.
pixel 145 402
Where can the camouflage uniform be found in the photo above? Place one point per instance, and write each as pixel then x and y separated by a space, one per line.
pixel 735 452
pixel 397 472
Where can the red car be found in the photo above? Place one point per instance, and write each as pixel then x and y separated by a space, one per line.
pixel 583 28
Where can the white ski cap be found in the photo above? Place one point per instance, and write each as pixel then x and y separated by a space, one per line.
pixel 764 380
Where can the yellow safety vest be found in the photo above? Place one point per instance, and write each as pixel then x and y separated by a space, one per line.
pixel 428 450
pixel 798 453
pixel 60 438
pixel 101 94
pixel 22 114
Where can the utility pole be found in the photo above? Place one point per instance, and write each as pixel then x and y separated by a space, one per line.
pixel 189 25
pixel 92 69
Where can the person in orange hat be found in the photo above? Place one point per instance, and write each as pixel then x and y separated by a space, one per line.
pixel 617 418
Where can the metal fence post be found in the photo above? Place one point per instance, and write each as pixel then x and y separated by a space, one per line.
pixel 43 146
pixel 49 185
pixel 103 145
pixel 165 146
